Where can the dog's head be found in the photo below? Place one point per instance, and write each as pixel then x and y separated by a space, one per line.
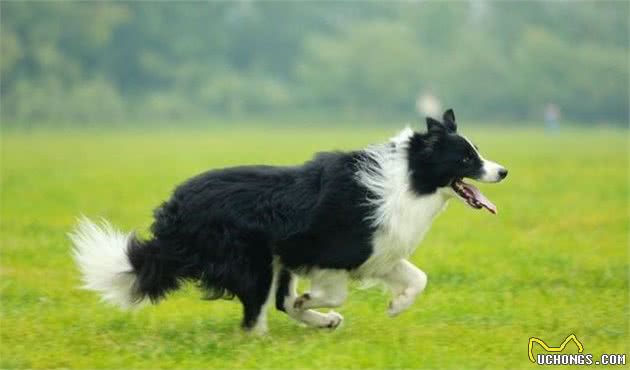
pixel 440 159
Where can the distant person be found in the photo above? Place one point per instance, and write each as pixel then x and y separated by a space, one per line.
pixel 428 105
pixel 552 118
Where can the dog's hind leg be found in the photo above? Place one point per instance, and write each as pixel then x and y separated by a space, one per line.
pixel 286 295
pixel 256 299
pixel 329 288
pixel 405 281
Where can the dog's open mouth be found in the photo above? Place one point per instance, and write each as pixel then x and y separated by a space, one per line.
pixel 471 195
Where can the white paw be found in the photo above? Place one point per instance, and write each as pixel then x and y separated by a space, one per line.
pixel 400 304
pixel 259 329
pixel 332 320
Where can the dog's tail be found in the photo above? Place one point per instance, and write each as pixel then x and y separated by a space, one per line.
pixel 126 271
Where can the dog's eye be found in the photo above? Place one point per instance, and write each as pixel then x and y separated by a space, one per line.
pixel 467 159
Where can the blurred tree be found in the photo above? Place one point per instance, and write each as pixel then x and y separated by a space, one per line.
pixel 101 61
pixel 371 64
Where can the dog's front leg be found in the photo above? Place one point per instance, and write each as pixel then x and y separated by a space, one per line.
pixel 405 281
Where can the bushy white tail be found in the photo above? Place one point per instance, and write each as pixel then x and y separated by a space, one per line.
pixel 100 252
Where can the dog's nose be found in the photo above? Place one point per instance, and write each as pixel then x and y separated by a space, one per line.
pixel 503 173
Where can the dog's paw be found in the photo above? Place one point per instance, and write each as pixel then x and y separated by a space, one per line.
pixel 333 320
pixel 258 330
pixel 399 304
pixel 301 300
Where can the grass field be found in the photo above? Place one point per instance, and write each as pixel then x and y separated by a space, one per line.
pixel 554 261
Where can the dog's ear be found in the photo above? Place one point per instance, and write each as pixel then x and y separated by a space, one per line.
pixel 434 125
pixel 449 120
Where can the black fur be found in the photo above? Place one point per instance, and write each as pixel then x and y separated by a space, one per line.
pixel 441 155
pixel 282 291
pixel 223 228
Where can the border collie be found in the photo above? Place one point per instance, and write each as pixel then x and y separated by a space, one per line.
pixel 251 231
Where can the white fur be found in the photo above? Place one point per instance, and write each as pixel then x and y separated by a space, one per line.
pixel 490 169
pixel 260 327
pixel 405 281
pixel 306 316
pixel 329 288
pixel 402 217
pixel 101 254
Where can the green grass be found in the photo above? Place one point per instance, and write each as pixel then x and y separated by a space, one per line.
pixel 553 262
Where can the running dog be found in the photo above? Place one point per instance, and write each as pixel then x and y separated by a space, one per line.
pixel 251 231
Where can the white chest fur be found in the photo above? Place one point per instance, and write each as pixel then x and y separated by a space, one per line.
pixel 402 233
pixel 401 217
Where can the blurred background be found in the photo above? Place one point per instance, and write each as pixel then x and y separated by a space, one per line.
pixel 105 106
pixel 101 62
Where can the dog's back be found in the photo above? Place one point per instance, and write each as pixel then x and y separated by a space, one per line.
pixel 248 231
pixel 224 228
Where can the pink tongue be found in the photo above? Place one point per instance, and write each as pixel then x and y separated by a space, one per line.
pixel 481 198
